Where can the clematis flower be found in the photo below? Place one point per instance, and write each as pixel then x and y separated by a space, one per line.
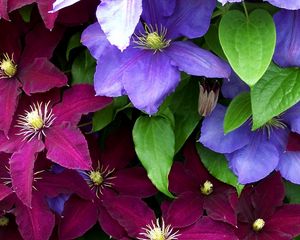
pixel 117 18
pixel 27 68
pixel 42 123
pixel 141 223
pixel 46 184
pixel 287 51
pixel 253 155
pixel 197 190
pixel 291 5
pixel 149 69
pixel 107 177
pixel 262 214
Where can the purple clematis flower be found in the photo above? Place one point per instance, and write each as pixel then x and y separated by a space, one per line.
pixel 287 51
pixel 27 68
pixel 253 155
pixel 117 18
pixel 141 223
pixel 197 190
pixel 262 214
pixel 291 5
pixel 149 69
pixel 42 123
pixel 107 177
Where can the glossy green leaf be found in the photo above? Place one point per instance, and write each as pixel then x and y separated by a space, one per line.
pixel 217 165
pixel 238 111
pixel 83 68
pixel 154 141
pixel 278 90
pixel 184 105
pixel 248 43
pixel 73 43
pixel 213 42
pixel 25 12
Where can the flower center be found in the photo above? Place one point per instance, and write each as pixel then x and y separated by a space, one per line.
pixel 207 188
pixel 152 39
pixel 274 123
pixel 96 177
pixel 34 122
pixel 7 66
pixel 157 231
pixel 258 224
pixel 4 221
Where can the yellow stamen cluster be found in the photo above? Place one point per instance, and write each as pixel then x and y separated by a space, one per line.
pixel 207 188
pixel 4 221
pixel 96 177
pixel 35 120
pixel 258 224
pixel 7 66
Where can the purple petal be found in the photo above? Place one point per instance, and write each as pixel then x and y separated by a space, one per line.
pixel 3 10
pixel 67 146
pixel 109 225
pixel 21 170
pixel 78 100
pixel 289 166
pixel 287 51
pixel 233 86
pixel 10 90
pixel 213 137
pixel 185 210
pixel 150 81
pixel 35 223
pixel 118 19
pixel 57 204
pixel 59 4
pixel 293 144
pixel 95 40
pixel 197 61
pixel 133 182
pixel 206 228
pixel 78 217
pixel 41 76
pixel 254 161
pixel 190 18
pixel 4 191
pixel 291 5
pixel 292 117
pixel 131 212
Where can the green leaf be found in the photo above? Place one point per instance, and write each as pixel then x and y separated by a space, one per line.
pixel 154 141
pixel 217 165
pixel 25 12
pixel 248 43
pixel 73 43
pixel 292 192
pixel 184 105
pixel 213 42
pixel 105 116
pixel 83 68
pixel 238 111
pixel 277 91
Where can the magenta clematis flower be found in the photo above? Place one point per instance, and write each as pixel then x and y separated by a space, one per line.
pixel 107 177
pixel 42 123
pixel 197 190
pixel 37 222
pixel 26 67
pixel 262 214
pixel 154 54
pixel 141 223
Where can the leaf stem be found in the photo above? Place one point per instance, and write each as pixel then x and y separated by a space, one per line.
pixel 245 9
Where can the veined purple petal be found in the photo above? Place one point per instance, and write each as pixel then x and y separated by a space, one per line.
pixel 4 191
pixel 59 4
pixel 78 100
pixel 21 169
pixel 95 40
pixel 213 137
pixel 254 161
pixel 287 51
pixel 118 19
pixel 292 117
pixel 190 18
pixel 289 166
pixel 67 146
pixel 291 5
pixel 233 86
pixel 35 223
pixel 150 81
pixel 197 61
pixel 78 217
